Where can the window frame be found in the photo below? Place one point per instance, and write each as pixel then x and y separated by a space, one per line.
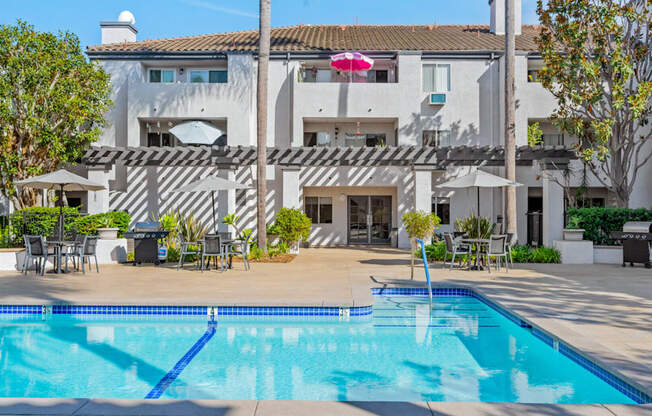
pixel 318 209
pixel 149 75
pixel 208 75
pixel 438 137
pixel 436 202
pixel 435 66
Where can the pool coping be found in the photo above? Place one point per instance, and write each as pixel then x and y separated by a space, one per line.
pixel 604 371
pixel 96 407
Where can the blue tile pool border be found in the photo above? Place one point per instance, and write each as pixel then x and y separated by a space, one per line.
pixel 609 377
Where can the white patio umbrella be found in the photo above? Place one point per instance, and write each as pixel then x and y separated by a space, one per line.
pixel 212 184
pixel 196 132
pixel 63 181
pixel 478 179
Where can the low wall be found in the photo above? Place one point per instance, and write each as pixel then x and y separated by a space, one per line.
pixel 108 252
pixel 574 252
pixel 608 254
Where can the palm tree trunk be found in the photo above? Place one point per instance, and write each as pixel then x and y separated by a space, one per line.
pixel 510 110
pixel 261 103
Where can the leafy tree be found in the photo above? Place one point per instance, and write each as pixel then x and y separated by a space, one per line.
pixel 598 64
pixel 421 225
pixel 52 105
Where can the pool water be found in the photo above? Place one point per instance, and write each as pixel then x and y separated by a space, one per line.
pixel 461 351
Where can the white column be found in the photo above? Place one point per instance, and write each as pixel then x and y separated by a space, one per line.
pixel 291 188
pixel 553 210
pixel 98 201
pixel 225 202
pixel 423 189
pixel 521 210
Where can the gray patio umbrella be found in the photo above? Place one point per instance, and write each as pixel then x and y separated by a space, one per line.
pixel 212 184
pixel 478 179
pixel 63 181
pixel 196 132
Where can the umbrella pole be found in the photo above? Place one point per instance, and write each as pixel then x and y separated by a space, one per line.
pixel 61 219
pixel 478 195
pixel 213 204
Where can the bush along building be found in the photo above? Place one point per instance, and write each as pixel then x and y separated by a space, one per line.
pixel 354 152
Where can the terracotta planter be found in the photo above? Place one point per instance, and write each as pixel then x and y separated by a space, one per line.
pixel 573 234
pixel 107 233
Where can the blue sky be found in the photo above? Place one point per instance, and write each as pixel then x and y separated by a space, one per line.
pixel 170 18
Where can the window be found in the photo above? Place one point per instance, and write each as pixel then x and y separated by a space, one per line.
pixel 441 207
pixel 553 139
pixel 374 140
pixel 316 75
pixel 320 138
pixel 378 76
pixel 161 75
pixel 211 77
pixel 436 78
pixel 160 139
pixel 436 138
pixel 590 202
pixel 319 209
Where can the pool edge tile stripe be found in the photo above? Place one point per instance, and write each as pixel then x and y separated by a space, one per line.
pixel 172 375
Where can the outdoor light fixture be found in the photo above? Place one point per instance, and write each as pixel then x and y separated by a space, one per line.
pixel 180 71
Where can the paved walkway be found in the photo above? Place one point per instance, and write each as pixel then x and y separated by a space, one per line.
pixel 603 310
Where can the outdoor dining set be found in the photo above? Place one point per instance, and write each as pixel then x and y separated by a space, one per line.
pixel 80 250
pixel 219 247
pixel 497 246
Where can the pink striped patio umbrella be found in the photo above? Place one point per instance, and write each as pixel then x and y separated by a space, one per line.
pixel 351 62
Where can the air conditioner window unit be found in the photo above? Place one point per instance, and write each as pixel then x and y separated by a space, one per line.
pixel 436 98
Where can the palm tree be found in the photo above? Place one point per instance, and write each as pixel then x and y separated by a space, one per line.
pixel 261 103
pixel 510 110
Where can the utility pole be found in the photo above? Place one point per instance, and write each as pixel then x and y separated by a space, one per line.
pixel 510 116
pixel 261 115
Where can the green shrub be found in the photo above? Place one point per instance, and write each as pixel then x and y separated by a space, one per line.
pixel 291 226
pixel 598 223
pixel 545 255
pixel 520 254
pixel 90 223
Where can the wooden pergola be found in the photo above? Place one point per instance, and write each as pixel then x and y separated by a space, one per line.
pixel 230 157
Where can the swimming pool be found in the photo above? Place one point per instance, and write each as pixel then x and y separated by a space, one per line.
pixel 462 350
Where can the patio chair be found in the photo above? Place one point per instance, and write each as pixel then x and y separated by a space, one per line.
pixel 185 249
pixel 36 249
pixel 454 247
pixel 238 248
pixel 78 243
pixel 212 248
pixel 497 248
pixel 511 242
pixel 86 251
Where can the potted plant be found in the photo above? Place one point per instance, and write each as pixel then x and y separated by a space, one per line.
pixel 573 232
pixel 107 229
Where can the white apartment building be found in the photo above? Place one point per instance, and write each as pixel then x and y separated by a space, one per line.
pixel 431 87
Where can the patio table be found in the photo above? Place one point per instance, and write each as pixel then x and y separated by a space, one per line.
pixel 477 242
pixel 224 243
pixel 59 246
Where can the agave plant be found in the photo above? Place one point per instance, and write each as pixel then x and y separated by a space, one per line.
pixel 469 226
pixel 189 227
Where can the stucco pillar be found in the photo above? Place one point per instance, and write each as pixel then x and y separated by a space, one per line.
pixel 98 201
pixel 291 191
pixel 423 189
pixel 225 202
pixel 521 210
pixel 553 210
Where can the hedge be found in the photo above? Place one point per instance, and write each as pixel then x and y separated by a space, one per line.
pixel 43 221
pixel 598 223
pixel 520 254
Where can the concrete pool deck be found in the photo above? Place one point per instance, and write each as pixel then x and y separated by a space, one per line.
pixel 603 310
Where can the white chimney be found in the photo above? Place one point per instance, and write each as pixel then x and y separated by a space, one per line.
pixel 497 23
pixel 122 30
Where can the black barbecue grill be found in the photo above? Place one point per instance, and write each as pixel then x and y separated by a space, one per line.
pixel 636 237
pixel 146 236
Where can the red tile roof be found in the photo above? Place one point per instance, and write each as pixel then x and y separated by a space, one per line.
pixel 315 38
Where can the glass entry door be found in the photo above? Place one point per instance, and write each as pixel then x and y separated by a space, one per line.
pixel 370 219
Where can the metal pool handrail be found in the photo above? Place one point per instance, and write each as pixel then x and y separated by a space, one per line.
pixel 425 266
